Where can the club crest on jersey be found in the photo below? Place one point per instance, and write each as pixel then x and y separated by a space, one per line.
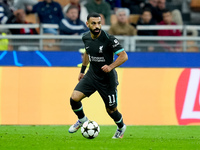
pixel 101 49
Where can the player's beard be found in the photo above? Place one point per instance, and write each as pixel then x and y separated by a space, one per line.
pixel 95 31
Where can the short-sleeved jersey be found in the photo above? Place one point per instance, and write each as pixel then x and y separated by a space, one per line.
pixel 101 52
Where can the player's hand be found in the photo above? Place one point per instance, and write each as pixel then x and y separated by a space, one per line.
pixel 106 68
pixel 81 75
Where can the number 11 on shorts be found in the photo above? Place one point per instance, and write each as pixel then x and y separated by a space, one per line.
pixel 112 99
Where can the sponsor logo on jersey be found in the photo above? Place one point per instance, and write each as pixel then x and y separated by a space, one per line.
pixel 96 59
pixel 188 97
pixel 116 43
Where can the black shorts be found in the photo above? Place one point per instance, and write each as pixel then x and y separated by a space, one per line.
pixel 108 93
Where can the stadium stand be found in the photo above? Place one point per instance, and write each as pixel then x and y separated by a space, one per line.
pixel 133 18
pixel 195 5
pixel 188 8
pixel 61 2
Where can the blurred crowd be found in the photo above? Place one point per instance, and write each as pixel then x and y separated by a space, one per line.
pixel 122 16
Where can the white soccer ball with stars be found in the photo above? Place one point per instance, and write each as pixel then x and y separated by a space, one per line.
pixel 90 129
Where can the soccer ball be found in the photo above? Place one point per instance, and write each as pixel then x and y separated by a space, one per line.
pixel 90 129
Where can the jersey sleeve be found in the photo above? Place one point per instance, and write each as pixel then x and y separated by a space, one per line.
pixel 84 37
pixel 115 45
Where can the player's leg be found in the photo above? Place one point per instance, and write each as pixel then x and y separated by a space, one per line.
pixel 76 105
pixel 83 88
pixel 75 102
pixel 117 117
pixel 110 100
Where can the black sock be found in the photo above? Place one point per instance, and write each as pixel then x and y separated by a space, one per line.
pixel 117 117
pixel 77 108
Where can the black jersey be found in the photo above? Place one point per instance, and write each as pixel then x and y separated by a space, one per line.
pixel 101 52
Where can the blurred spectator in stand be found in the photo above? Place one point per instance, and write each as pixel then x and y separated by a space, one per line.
pixel 169 46
pixel 115 4
pixel 152 5
pixel 26 5
pixel 6 15
pixel 49 12
pixel 82 10
pixel 146 19
pixel 101 7
pixel 6 11
pixel 161 6
pixel 127 3
pixel 192 46
pixel 176 14
pixel 21 19
pixel 4 43
pixel 135 6
pixel 83 2
pixel 122 27
pixel 23 44
pixel 71 25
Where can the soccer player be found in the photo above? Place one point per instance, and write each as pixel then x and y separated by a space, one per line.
pixel 101 75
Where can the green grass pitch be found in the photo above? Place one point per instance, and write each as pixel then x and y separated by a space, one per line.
pixel 135 138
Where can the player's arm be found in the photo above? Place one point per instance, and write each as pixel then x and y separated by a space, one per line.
pixel 122 57
pixel 85 59
pixel 84 66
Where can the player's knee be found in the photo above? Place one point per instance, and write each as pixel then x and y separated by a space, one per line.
pixel 111 110
pixel 74 98
pixel 77 96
